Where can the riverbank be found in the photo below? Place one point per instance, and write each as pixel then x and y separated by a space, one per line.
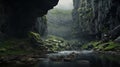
pixel 34 49
pixel 109 47
pixel 29 50
pixel 20 59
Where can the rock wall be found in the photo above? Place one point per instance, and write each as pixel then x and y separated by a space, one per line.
pixel 18 17
pixel 94 18
pixel 41 26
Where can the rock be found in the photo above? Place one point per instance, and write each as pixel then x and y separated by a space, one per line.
pixel 55 43
pixel 56 59
pixel 25 13
pixel 2 49
pixel 41 59
pixel 117 40
pixel 18 62
pixel 2 36
pixel 90 47
pixel 68 59
pixel 105 45
pixel 83 62
pixel 30 59
pixel 72 55
pixel 93 18
pixel 35 37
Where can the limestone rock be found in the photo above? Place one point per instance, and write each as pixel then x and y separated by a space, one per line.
pixel 93 18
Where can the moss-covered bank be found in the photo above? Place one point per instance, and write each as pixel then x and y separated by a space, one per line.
pixel 102 46
pixel 30 50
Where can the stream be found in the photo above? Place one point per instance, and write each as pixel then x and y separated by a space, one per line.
pixel 75 59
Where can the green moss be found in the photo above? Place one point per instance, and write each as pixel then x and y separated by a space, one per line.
pixel 55 43
pixel 85 46
pixel 92 43
pixel 95 43
pixel 108 46
pixel 99 47
pixel 15 47
pixel 16 52
pixel 52 37
pixel 112 46
pixel 36 37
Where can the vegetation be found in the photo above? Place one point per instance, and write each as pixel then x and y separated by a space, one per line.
pixel 34 43
pixel 93 21
pixel 55 43
pixel 99 46
pixel 15 47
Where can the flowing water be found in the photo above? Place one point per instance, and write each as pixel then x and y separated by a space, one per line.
pixel 76 59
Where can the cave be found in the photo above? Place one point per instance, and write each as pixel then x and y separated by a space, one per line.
pixel 59 33
pixel 19 17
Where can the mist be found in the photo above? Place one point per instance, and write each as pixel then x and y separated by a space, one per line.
pixel 65 4
pixel 59 19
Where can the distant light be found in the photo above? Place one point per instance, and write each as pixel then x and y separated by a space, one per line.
pixel 65 4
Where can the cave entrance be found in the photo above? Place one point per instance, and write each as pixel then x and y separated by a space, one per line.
pixel 59 19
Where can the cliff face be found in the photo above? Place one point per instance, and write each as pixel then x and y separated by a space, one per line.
pixel 96 17
pixel 41 26
pixel 18 17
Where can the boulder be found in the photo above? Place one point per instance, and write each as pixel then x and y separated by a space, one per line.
pixel 55 43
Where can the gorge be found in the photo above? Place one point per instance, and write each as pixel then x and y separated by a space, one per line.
pixel 55 33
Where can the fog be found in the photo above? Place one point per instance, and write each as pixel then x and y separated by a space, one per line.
pixel 65 4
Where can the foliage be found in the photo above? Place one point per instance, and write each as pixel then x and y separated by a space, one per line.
pixel 107 46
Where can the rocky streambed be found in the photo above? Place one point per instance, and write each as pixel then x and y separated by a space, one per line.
pixel 68 59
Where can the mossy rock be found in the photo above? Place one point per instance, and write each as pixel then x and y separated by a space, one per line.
pixel 55 43
pixel 91 45
pixel 15 47
pixel 99 46
pixel 112 46
pixel 3 49
pixel 109 46
pixel 55 38
pixel 35 37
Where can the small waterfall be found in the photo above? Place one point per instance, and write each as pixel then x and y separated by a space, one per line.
pixel 41 25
